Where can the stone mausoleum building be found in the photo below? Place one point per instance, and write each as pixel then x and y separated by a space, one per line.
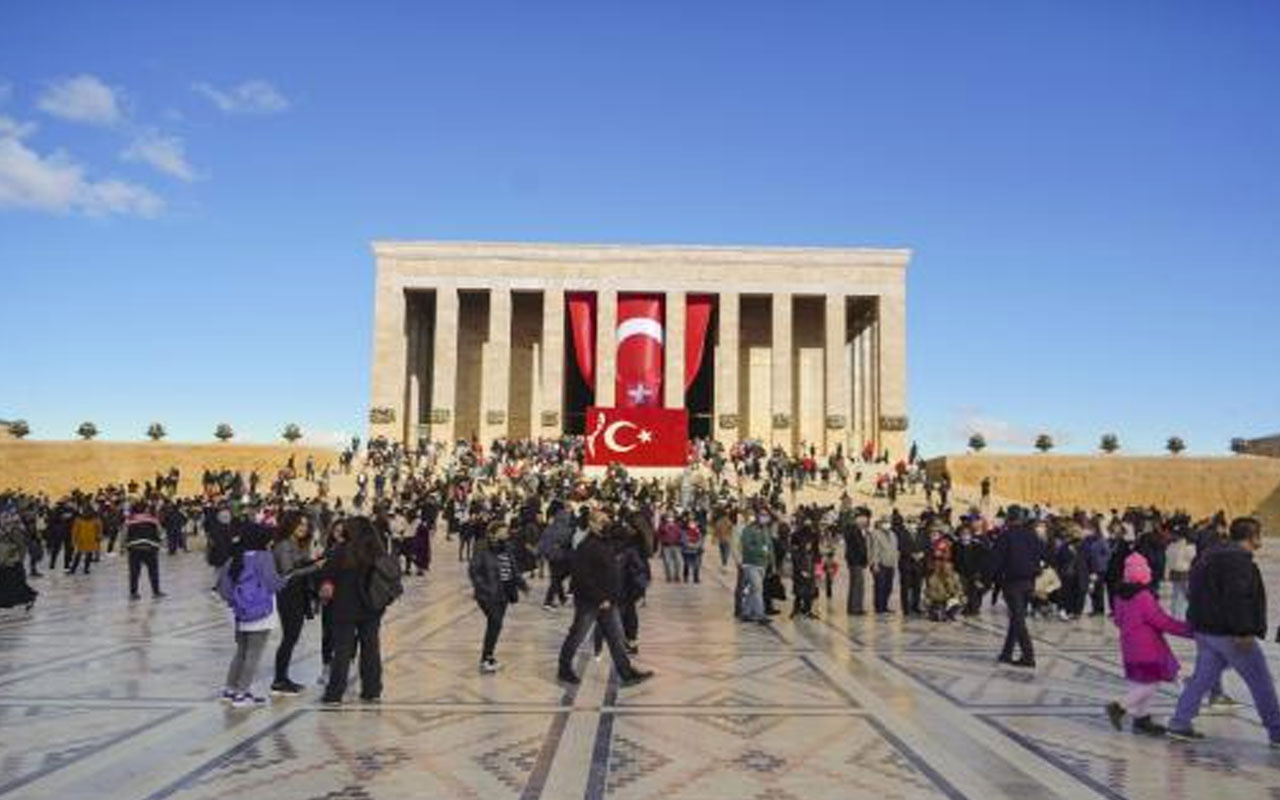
pixel 787 345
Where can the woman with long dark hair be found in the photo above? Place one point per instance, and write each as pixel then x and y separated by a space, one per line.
pixel 344 586
pixel 292 556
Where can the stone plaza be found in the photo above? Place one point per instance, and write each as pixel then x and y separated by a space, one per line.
pixel 103 698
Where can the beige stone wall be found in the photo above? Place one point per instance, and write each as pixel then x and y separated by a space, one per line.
pixel 1201 486
pixel 58 467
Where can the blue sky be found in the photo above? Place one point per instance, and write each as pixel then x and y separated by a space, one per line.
pixel 1092 191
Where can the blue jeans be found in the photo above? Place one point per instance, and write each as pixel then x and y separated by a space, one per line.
pixel 1213 655
pixel 753 609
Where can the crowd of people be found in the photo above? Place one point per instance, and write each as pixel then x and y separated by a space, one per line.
pixel 526 510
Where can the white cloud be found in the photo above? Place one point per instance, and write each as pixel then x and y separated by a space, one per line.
pixel 250 97
pixel 13 129
pixel 56 183
pixel 163 152
pixel 83 98
pixel 996 431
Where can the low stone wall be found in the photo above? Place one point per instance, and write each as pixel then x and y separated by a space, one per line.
pixel 58 467
pixel 1201 486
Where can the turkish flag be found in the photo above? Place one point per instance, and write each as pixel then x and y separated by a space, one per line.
pixel 639 362
pixel 637 437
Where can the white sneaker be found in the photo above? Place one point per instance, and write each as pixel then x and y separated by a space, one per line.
pixel 489 666
pixel 248 701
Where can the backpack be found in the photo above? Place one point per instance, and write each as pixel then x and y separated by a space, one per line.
pixel 250 600
pixel 384 584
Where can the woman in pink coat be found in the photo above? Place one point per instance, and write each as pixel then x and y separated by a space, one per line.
pixel 1147 658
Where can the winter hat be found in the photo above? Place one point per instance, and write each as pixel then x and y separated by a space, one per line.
pixel 1137 570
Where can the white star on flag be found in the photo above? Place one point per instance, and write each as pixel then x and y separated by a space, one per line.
pixel 639 393
pixel 644 436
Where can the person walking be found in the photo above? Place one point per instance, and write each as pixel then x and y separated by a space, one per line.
pixel 670 535
pixel 555 545
pixel 86 539
pixel 692 545
pixel 496 583
pixel 756 544
pixel 597 587
pixel 142 540
pixel 1148 661
pixel 14 590
pixel 1016 560
pixel 248 584
pixel 1228 614
pixel 344 585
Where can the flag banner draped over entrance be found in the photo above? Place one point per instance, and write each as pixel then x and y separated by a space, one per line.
pixel 697 318
pixel 582 321
pixel 637 437
pixel 640 340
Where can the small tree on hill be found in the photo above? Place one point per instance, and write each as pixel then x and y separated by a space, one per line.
pixel 1110 443
pixel 977 442
pixel 291 433
pixel 1175 445
pixel 87 430
pixel 1044 443
pixel 223 432
pixel 19 428
pixel 156 432
pixel 1239 446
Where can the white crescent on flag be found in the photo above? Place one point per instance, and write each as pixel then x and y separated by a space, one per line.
pixel 612 431
pixel 639 326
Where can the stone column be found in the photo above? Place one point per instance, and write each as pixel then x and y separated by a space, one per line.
pixel 606 346
pixel 413 409
pixel 551 401
pixel 858 406
pixel 496 380
pixel 780 356
pixel 892 405
pixel 387 401
pixel 836 424
pixel 444 369
pixel 673 351
pixel 728 422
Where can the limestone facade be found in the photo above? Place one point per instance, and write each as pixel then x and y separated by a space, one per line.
pixel 806 346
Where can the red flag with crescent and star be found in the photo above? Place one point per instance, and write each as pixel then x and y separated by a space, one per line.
pixel 637 437
pixel 640 341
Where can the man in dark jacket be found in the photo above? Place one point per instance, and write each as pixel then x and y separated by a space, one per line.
pixel 597 589
pixel 1228 614
pixel 1015 560
pixel 855 556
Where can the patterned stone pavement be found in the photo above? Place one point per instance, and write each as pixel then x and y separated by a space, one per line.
pixel 103 698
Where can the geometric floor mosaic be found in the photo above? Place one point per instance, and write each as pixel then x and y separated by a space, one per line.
pixel 105 698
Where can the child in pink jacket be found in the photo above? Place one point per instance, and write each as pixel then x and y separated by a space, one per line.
pixel 1147 658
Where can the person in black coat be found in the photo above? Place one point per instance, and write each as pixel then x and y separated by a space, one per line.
pixel 973 563
pixel 1016 559
pixel 497 582
pixel 854 527
pixel 343 585
pixel 597 588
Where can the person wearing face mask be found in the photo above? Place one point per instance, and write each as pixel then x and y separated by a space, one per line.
pixel 757 553
pixel 882 554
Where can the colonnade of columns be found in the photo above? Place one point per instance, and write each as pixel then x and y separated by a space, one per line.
pixel 860 372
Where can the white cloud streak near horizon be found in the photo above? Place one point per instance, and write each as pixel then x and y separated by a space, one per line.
pixel 83 98
pixel 250 97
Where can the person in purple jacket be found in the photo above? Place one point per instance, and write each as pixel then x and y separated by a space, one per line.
pixel 248 583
